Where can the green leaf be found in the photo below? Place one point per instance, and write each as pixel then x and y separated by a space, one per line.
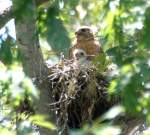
pixel 146 35
pixel 5 53
pixel 41 121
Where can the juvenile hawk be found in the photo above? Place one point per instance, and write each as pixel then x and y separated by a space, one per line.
pixel 80 57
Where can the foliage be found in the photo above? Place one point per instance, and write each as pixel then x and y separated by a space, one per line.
pixel 51 28
pixel 8 50
pixel 123 28
pixel 14 88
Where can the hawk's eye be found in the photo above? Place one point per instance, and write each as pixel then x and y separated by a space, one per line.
pixel 83 30
pixel 82 54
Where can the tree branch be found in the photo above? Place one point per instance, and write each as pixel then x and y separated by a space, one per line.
pixel 32 60
pixel 5 16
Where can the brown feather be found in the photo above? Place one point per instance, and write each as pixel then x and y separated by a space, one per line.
pixel 85 41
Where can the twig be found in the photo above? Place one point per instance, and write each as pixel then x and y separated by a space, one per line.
pixel 52 104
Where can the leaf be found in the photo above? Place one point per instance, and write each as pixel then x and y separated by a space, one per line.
pixel 101 62
pixel 146 35
pixel 5 131
pixel 113 112
pixel 5 53
pixel 41 121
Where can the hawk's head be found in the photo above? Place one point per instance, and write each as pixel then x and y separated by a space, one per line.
pixel 84 33
pixel 80 57
pixel 79 54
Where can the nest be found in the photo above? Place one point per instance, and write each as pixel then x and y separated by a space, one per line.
pixel 79 94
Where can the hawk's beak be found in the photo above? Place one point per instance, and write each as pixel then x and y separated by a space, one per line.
pixel 77 57
pixel 79 33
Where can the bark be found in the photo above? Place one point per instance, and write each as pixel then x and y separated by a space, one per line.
pixel 5 16
pixel 32 60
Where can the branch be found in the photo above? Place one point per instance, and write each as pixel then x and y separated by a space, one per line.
pixel 5 16
pixel 33 62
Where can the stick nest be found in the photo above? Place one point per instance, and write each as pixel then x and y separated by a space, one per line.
pixel 79 94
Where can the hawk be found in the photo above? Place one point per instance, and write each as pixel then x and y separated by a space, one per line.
pixel 80 57
pixel 85 41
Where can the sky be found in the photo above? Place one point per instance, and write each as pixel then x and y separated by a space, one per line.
pixel 10 25
pixel 11 28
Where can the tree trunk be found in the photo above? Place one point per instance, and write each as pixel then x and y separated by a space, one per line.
pixel 32 60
